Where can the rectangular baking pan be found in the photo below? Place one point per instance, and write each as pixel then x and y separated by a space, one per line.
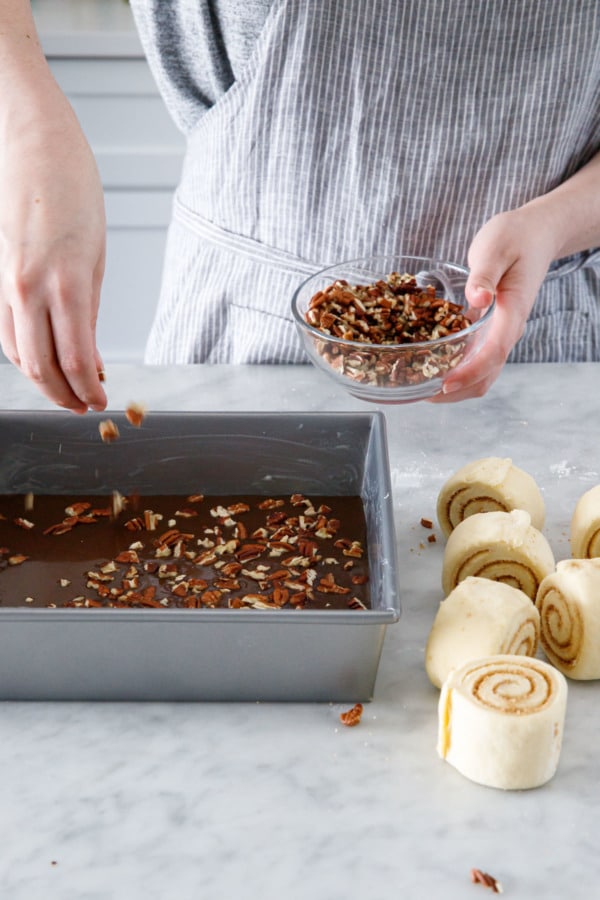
pixel 202 654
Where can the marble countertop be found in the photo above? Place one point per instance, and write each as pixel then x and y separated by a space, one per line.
pixel 80 28
pixel 152 801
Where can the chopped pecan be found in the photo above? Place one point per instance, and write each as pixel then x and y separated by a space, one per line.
pixel 135 524
pixel 393 312
pixel 328 585
pixel 59 528
pixel 479 877
pixel 135 414
pixel 77 509
pixel 359 579
pixel 151 519
pixel 356 603
pixel 17 559
pixel 258 601
pixel 211 597
pixel 24 523
pixel 127 556
pixel 108 431
pixel 351 717
pixel 248 552
pixel 236 509
pixel 270 503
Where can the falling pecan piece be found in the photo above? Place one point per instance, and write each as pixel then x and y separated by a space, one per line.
pixel 108 431
pixel 135 414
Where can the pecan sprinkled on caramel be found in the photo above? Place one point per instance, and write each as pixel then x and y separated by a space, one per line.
pixel 24 523
pixel 285 557
pixel 17 559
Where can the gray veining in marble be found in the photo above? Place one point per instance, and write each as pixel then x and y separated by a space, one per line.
pixel 270 801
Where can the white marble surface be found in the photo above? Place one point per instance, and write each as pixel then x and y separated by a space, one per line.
pixel 270 801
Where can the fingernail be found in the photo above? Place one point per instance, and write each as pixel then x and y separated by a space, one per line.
pixel 450 387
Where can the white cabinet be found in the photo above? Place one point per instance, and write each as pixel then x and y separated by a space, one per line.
pixel 94 52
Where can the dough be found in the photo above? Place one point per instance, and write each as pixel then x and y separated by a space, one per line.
pixel 585 525
pixel 480 618
pixel 491 484
pixel 501 720
pixel 569 604
pixel 503 546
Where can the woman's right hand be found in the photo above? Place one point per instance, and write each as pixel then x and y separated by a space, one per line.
pixel 52 247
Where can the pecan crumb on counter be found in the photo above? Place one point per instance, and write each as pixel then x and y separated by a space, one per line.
pixel 426 523
pixel 352 716
pixel 479 877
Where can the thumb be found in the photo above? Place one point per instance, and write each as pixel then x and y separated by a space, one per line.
pixel 481 285
pixel 488 265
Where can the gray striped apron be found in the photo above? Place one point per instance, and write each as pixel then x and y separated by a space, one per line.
pixel 375 127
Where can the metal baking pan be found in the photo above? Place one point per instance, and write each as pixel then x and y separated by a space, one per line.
pixel 202 654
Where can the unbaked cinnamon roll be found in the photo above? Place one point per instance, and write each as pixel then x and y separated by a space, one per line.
pixel 491 484
pixel 501 546
pixel 501 721
pixel 478 618
pixel 568 601
pixel 585 525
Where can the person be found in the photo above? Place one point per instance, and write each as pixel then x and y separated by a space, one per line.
pixel 315 133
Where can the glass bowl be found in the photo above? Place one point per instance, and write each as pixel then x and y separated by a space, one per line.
pixel 387 371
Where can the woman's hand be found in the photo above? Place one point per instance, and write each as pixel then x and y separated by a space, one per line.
pixel 52 248
pixel 508 258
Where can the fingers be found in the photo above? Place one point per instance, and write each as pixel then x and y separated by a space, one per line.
pixel 78 358
pixel 53 345
pixel 474 378
pixel 7 336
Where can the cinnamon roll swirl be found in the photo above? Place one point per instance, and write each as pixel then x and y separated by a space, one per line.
pixel 568 601
pixel 585 525
pixel 491 484
pixel 479 618
pixel 502 546
pixel 501 721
